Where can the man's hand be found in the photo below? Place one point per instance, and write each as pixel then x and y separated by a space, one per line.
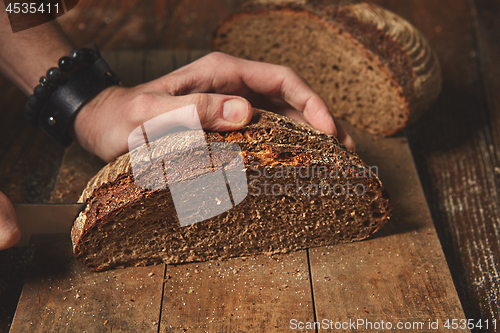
pixel 9 230
pixel 222 88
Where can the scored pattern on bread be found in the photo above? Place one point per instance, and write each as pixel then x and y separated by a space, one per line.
pixel 372 67
pixel 124 224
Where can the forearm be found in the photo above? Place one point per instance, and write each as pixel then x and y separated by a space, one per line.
pixel 25 56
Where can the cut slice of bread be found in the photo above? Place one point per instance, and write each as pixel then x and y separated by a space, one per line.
pixel 125 224
pixel 372 67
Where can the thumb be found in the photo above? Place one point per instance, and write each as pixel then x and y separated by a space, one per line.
pixel 220 112
pixel 9 229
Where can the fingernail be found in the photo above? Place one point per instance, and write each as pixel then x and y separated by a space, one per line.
pixel 235 110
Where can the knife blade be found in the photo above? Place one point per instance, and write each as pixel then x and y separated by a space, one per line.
pixel 37 219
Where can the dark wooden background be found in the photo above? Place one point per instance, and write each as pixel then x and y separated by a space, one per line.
pixel 455 145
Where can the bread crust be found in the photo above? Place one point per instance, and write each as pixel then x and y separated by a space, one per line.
pixel 402 49
pixel 112 195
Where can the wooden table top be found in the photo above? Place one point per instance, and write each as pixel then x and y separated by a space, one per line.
pixel 398 277
pixel 454 147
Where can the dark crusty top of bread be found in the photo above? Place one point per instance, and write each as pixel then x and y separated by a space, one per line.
pixel 372 67
pixel 124 224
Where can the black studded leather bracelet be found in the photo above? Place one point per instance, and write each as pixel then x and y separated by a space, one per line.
pixel 65 89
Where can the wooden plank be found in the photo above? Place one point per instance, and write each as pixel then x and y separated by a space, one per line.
pixel 111 58
pixel 69 296
pixel 195 292
pixel 288 292
pixel 399 276
pixel 436 141
pixel 29 161
pixel 197 54
pixel 180 58
pixel 196 21
pixel 455 149
pixel 61 294
pixel 129 67
pixel 252 294
pixel 158 63
pixel 14 263
pixel 77 168
pixel 486 16
pixel 152 64
pixel 111 24
pixel 133 24
pixel 486 22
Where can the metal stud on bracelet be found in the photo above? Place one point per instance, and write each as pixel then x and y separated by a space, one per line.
pixel 65 89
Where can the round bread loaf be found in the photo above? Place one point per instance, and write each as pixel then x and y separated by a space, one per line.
pixel 372 67
pixel 126 224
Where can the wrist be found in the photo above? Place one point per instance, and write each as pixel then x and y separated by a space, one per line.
pixel 65 89
pixel 26 55
pixel 89 121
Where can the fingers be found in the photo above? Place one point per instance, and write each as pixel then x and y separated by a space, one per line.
pixel 196 111
pixel 342 135
pixel 285 83
pixel 293 114
pixel 104 125
pixel 344 138
pixel 219 112
pixel 9 229
pixel 222 73
pixel 283 108
pixel 279 81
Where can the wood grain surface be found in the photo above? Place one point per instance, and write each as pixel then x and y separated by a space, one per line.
pixel 250 294
pixel 455 146
pixel 399 276
pixel 61 294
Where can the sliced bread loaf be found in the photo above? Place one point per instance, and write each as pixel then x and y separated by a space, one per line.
pixel 372 67
pixel 304 190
